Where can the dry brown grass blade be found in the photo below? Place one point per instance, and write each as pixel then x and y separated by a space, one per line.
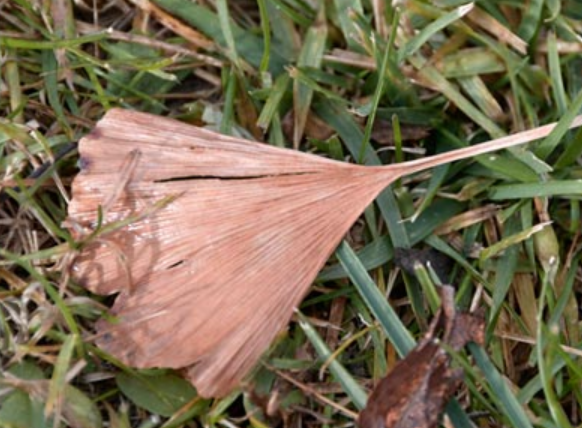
pixel 207 281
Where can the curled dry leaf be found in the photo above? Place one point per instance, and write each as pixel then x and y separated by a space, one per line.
pixel 233 234
pixel 417 389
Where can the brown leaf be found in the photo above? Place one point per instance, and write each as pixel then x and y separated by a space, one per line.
pixel 227 235
pixel 415 392
pixel 208 281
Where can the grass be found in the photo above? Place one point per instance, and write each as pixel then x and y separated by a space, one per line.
pixel 342 79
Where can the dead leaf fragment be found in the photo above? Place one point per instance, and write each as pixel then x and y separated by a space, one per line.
pixel 416 391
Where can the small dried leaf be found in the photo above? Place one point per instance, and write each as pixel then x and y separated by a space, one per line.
pixel 415 392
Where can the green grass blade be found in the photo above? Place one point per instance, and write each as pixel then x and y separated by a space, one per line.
pixel 58 383
pixel 502 395
pixel 391 212
pixel 50 72
pixel 225 26
pixel 504 271
pixel 436 78
pixel 349 385
pixel 310 56
pixel 547 344
pixel 572 151
pixel 549 144
pixel 478 91
pixel 391 324
pixel 271 107
pixel 420 39
pixel 508 241
pixel 379 91
pixel 249 46
pixel 301 16
pixel 531 20
pixel 266 29
pixel 558 90
pixel 16 43
pixel 533 190
pixel 345 10
pixel 227 122
pixel 471 62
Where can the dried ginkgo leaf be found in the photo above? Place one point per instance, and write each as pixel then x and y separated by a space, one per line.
pixel 417 389
pixel 227 235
